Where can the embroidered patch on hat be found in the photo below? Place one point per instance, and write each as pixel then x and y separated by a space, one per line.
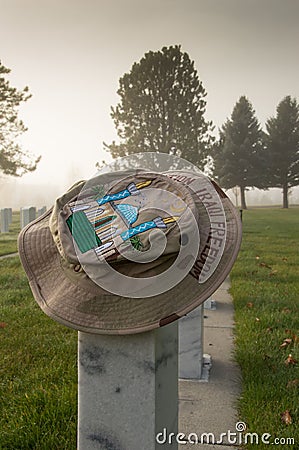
pixel 105 223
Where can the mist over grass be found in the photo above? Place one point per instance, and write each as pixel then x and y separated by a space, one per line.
pixel 17 193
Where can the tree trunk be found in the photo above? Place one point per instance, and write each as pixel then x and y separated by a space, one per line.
pixel 243 201
pixel 285 195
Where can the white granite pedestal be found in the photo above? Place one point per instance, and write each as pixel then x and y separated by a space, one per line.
pixel 128 390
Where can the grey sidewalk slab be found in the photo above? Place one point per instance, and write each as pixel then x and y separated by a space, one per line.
pixel 10 255
pixel 210 407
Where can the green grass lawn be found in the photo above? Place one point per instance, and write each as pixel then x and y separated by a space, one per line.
pixel 38 373
pixel 265 288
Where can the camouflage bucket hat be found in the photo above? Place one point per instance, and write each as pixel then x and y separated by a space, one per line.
pixel 130 251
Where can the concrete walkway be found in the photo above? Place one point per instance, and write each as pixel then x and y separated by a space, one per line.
pixel 10 255
pixel 210 407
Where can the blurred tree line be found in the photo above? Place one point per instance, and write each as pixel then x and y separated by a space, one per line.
pixel 162 109
pixel 13 160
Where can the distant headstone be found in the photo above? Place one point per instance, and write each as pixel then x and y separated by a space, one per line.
pixel 210 304
pixel 5 219
pixel 41 211
pixel 28 214
pixel 9 214
pixel 191 344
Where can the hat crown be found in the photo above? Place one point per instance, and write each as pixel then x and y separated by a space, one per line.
pixel 109 218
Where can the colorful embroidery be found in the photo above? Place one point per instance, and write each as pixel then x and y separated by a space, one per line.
pixel 96 222
pixel 85 236
pixel 136 243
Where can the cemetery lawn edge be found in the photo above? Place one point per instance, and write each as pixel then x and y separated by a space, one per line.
pixel 265 289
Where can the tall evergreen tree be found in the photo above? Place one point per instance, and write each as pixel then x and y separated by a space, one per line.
pixel 283 146
pixel 238 155
pixel 161 109
pixel 13 160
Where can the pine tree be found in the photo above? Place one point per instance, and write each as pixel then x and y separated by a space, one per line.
pixel 13 160
pixel 239 155
pixel 161 109
pixel 283 146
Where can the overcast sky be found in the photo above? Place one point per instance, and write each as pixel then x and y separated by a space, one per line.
pixel 71 54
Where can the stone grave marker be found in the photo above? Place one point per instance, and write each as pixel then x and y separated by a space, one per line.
pixel 5 219
pixel 128 389
pixel 41 211
pixel 28 214
pixel 9 214
pixel 191 344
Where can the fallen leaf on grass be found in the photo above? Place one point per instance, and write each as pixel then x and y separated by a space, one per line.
pixel 273 272
pixel 286 417
pixel 295 337
pixel 250 305
pixel 3 324
pixel 285 343
pixel 284 259
pixel 293 383
pixel 257 319
pixel 286 310
pixel 290 361
pixel 265 265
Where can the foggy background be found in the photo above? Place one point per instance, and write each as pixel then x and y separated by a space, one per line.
pixel 71 54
